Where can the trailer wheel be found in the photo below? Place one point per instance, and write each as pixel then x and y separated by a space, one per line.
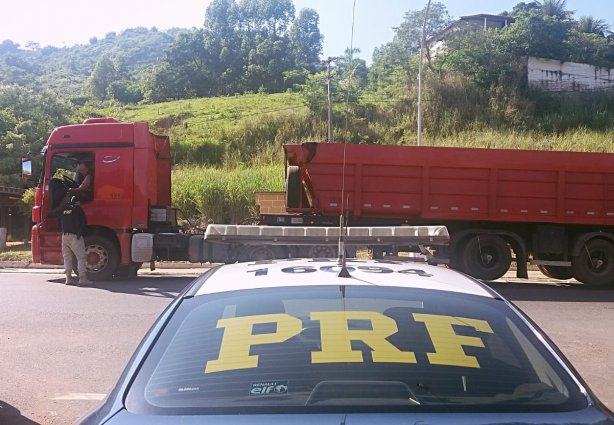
pixel 486 257
pixel 595 264
pixel 261 253
pixel 556 272
pixel 322 251
pixel 102 257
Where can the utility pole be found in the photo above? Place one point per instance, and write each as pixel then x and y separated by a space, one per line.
pixel 422 44
pixel 329 78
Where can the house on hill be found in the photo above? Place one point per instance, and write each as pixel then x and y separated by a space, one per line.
pixel 482 20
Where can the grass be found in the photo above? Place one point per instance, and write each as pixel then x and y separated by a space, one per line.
pixel 227 148
pixel 222 195
pixel 579 140
pixel 16 251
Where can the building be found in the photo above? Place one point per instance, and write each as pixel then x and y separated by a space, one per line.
pixel 482 20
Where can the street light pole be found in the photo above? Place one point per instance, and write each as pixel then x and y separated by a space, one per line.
pixel 422 44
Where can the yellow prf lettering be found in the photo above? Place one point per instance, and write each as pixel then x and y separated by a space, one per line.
pixel 238 339
pixel 448 345
pixel 336 338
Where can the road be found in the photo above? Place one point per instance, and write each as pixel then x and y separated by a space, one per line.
pixel 63 347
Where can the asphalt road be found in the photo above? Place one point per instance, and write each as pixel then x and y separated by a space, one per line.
pixel 62 348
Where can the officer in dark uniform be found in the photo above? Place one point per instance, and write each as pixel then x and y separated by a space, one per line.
pixel 72 225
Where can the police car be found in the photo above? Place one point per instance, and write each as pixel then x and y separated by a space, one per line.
pixel 290 341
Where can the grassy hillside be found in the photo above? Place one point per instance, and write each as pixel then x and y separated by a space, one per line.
pixel 227 148
pixel 227 130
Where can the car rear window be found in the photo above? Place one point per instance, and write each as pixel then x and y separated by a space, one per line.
pixel 348 348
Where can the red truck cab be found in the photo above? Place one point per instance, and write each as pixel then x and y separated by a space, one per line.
pixel 130 170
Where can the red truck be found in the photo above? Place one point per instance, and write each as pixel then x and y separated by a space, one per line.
pixel 131 220
pixel 555 209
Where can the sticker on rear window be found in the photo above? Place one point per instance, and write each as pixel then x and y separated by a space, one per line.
pixel 269 388
pixel 336 338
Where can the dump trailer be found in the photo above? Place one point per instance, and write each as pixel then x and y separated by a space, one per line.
pixel 131 220
pixel 551 209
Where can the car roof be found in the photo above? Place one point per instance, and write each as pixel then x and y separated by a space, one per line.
pixel 313 272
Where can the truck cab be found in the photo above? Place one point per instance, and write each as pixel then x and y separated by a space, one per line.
pixel 130 184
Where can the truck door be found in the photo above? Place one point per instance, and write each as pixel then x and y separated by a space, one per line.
pixel 63 175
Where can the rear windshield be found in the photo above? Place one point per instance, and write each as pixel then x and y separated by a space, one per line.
pixel 349 348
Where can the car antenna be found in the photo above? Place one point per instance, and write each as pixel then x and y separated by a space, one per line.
pixel 342 233
pixel 344 273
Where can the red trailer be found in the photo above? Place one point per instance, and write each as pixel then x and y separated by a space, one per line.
pixel 555 209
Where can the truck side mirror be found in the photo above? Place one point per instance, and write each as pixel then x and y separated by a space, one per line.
pixel 26 169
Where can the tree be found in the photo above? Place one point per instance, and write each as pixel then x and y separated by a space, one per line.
pixel 356 73
pixel 26 119
pixel 555 8
pixel 124 91
pixel 590 25
pixel 406 42
pixel 523 8
pixel 8 46
pixel 306 40
pixel 104 73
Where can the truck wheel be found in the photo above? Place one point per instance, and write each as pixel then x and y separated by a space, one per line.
pixel 102 257
pixel 595 264
pixel 556 272
pixel 486 257
pixel 261 253
pixel 293 187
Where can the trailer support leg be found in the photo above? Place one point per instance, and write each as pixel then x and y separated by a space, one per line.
pixel 521 265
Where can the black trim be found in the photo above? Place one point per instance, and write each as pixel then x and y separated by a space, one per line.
pixel 94 145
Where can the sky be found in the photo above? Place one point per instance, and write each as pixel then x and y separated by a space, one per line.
pixel 68 22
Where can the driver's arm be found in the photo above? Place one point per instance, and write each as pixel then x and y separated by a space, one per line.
pixel 83 187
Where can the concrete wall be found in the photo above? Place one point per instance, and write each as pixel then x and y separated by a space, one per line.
pixel 558 76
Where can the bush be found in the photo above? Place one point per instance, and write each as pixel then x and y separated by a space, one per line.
pixel 27 202
pixel 222 195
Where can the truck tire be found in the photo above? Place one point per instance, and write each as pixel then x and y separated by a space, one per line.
pixel 486 257
pixel 595 264
pixel 293 187
pixel 556 272
pixel 102 257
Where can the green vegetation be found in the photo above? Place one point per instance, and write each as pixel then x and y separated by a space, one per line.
pixel 16 251
pixel 222 195
pixel 262 61
pixel 226 130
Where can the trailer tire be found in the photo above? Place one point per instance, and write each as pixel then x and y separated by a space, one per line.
pixel 322 251
pixel 486 257
pixel 261 253
pixel 293 187
pixel 556 272
pixel 102 257
pixel 595 264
